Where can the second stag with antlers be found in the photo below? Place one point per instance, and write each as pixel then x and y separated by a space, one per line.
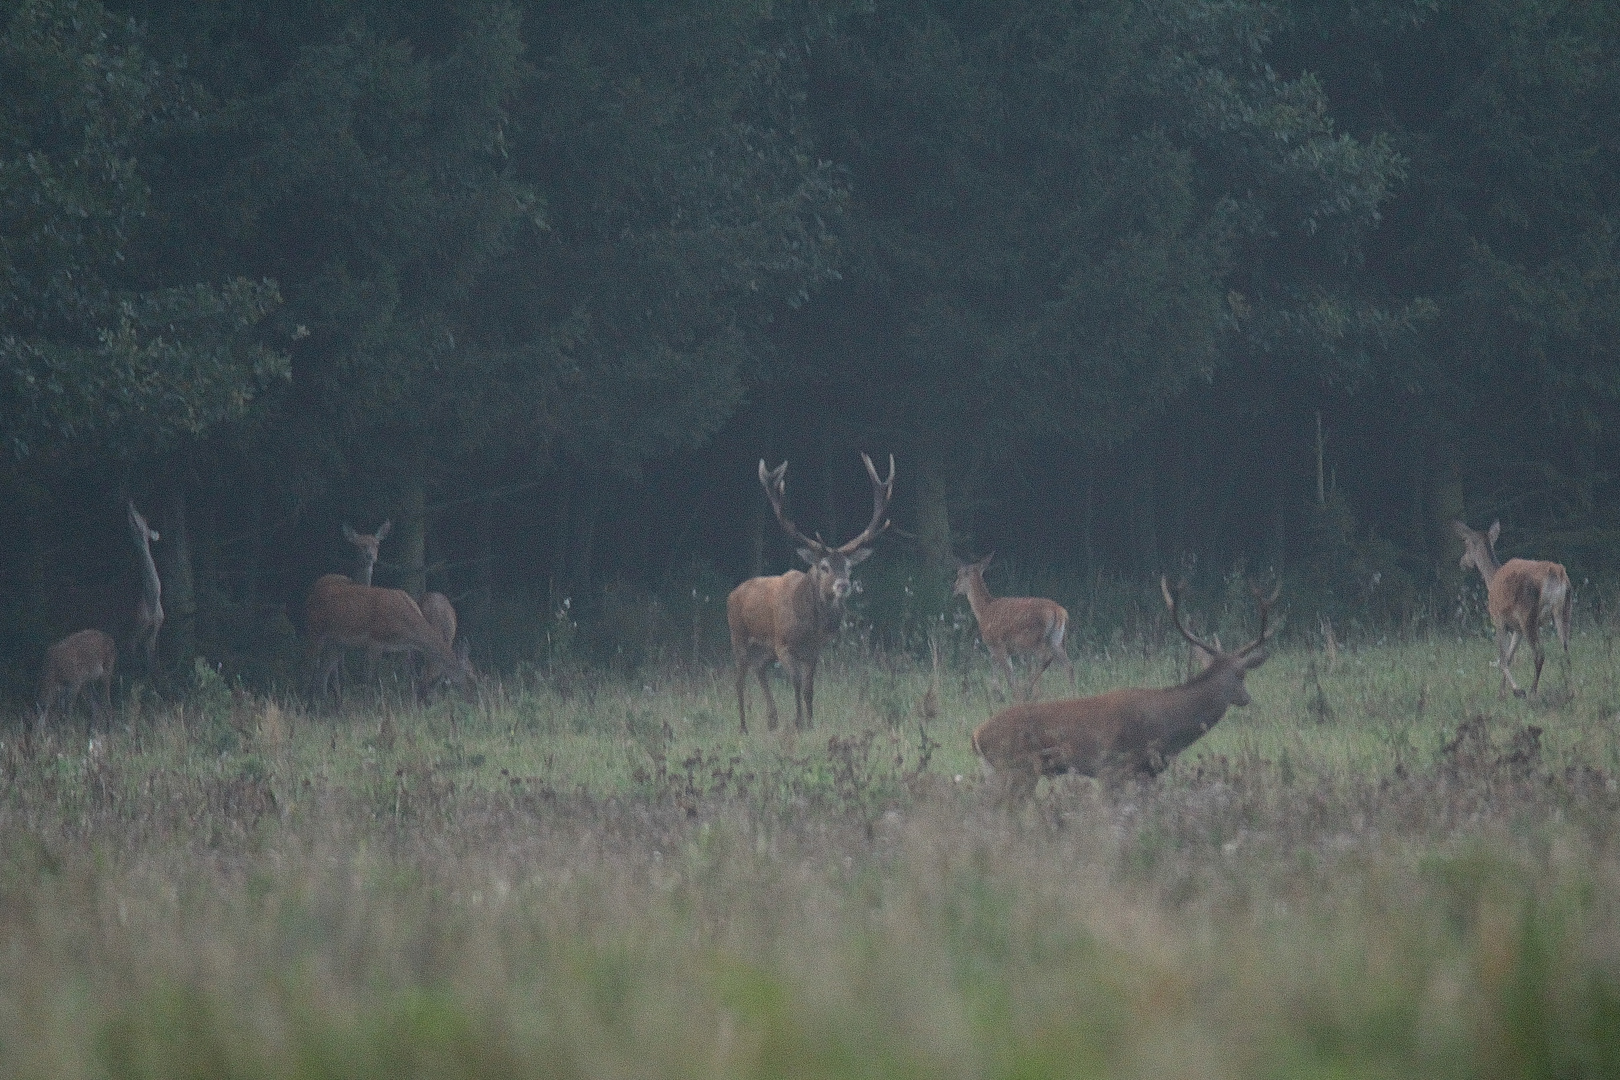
pixel 1137 730
pixel 1521 594
pixel 786 618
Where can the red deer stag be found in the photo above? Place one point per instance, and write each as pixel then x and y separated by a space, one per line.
pixel 149 612
pixel 84 657
pixel 342 615
pixel 1137 730
pixel 787 618
pixel 1521 594
pixel 1027 625
pixel 367 544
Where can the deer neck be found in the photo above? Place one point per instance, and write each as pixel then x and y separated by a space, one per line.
pixel 150 585
pixel 1488 566
pixel 825 610
pixel 1191 709
pixel 363 577
pixel 978 596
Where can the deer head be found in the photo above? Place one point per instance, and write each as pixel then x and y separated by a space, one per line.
pixel 1479 549
pixel 966 572
pixel 367 545
pixel 1225 671
pixel 830 566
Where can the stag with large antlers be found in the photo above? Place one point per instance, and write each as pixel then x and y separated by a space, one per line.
pixel 1028 625
pixel 1132 731
pixel 788 617
pixel 1521 594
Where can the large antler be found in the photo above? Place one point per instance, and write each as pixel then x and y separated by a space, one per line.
pixel 1175 616
pixel 774 481
pixel 882 492
pixel 1265 603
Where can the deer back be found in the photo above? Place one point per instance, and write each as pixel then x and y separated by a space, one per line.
pixel 1527 591
pixel 441 615
pixel 77 659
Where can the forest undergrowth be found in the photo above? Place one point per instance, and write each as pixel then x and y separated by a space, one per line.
pixel 1379 868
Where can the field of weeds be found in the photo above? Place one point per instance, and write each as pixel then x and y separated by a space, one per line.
pixel 1377 869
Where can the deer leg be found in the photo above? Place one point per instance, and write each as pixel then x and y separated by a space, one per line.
pixel 742 691
pixel 771 718
pixel 1507 643
pixel 999 656
pixel 809 695
pixel 1035 680
pixel 1533 635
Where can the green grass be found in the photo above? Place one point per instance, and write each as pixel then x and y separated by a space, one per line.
pixel 1375 870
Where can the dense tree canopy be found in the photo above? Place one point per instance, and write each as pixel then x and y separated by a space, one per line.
pixel 1125 284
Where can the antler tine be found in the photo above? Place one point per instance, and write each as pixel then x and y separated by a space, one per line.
pixel 774 481
pixel 1264 603
pixel 882 491
pixel 1175 617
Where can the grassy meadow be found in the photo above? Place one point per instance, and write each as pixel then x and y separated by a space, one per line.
pixel 1378 869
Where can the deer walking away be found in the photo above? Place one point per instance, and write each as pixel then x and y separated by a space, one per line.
pixel 788 617
pixel 1136 730
pixel 1023 625
pixel 1520 594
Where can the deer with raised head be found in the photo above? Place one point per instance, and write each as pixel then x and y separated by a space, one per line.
pixel 1521 594
pixel 1123 732
pixel 85 657
pixel 339 614
pixel 367 544
pixel 149 611
pixel 788 617
pixel 1026 625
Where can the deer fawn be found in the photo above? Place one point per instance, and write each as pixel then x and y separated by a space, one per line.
pixel 149 612
pixel 87 656
pixel 1014 624
pixel 787 618
pixel 367 544
pixel 340 614
pixel 1521 594
pixel 1132 731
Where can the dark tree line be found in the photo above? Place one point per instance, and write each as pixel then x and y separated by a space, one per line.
pixel 1125 285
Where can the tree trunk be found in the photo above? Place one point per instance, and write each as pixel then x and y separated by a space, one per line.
pixel 933 516
pixel 1445 489
pixel 179 586
pixel 413 538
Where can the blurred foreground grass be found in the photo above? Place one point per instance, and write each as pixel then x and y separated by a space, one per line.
pixel 1378 869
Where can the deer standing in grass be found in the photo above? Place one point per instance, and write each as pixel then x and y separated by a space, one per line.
pixel 441 615
pixel 340 614
pixel 788 617
pixel 85 657
pixel 1521 594
pixel 149 611
pixel 367 544
pixel 1131 731
pixel 1027 625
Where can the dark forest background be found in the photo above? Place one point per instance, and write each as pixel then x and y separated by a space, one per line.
pixel 1126 286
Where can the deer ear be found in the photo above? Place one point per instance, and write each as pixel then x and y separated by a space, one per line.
pixel 1462 531
pixel 1496 530
pixel 349 534
pixel 382 530
pixel 860 555
pixel 1205 657
pixel 1254 659
pixel 984 563
pixel 808 556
